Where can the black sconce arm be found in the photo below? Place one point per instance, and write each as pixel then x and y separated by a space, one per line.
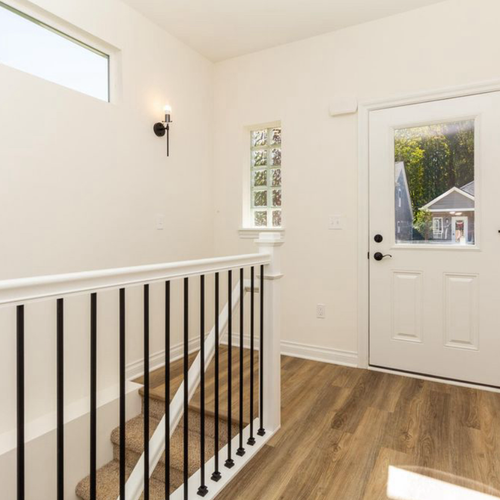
pixel 162 128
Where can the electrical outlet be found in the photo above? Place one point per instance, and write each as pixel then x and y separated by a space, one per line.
pixel 321 311
pixel 335 222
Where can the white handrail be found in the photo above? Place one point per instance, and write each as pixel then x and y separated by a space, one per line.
pixel 22 290
pixel 135 482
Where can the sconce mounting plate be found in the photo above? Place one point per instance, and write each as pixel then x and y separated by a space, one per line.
pixel 159 129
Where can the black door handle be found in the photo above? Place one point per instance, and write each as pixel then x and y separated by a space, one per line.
pixel 380 256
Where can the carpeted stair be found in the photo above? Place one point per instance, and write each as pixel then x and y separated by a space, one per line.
pixel 108 476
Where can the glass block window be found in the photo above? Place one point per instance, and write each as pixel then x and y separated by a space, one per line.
pixel 266 199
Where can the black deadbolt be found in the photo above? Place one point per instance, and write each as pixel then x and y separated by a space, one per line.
pixel 378 238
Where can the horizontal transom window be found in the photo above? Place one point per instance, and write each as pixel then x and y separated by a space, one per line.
pixel 34 47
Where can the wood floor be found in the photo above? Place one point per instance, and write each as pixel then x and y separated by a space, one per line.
pixel 344 429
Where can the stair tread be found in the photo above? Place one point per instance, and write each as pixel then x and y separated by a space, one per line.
pixel 135 441
pixel 157 412
pixel 157 388
pixel 108 484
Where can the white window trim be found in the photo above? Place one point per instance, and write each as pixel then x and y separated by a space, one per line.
pixel 253 233
pixel 248 230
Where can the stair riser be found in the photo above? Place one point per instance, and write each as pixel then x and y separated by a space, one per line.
pixel 156 408
pixel 157 411
pixel 108 484
pixel 131 459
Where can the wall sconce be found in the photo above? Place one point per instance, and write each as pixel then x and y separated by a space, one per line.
pixel 161 128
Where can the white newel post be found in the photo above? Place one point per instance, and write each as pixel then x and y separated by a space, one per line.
pixel 270 243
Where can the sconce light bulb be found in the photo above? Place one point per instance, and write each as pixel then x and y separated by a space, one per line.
pixel 168 110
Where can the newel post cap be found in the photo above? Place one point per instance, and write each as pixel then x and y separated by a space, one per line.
pixel 269 243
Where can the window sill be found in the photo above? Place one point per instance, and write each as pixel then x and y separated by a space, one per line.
pixel 252 233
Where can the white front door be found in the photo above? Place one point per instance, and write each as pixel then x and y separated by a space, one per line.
pixel 435 272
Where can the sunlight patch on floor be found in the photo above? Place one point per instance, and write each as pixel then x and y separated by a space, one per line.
pixel 405 484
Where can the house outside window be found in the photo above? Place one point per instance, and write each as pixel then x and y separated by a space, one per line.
pixel 265 180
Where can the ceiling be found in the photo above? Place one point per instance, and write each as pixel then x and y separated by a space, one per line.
pixel 220 29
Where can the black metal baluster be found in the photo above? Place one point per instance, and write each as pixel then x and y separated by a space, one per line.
pixel 93 396
pixel 216 475
pixel 251 439
pixel 167 389
pixel 186 388
pixel 202 490
pixel 122 395
pixel 146 392
pixel 20 402
pixel 261 431
pixel 241 450
pixel 60 398
pixel 229 462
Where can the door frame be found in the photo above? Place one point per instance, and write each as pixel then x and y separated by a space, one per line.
pixel 364 110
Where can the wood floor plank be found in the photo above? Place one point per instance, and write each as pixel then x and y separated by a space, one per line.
pixel 349 478
pixel 346 377
pixel 465 403
pixel 362 396
pixel 405 420
pixel 376 488
pixel 388 398
pixel 433 442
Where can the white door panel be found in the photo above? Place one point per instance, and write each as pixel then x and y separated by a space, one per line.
pixel 435 297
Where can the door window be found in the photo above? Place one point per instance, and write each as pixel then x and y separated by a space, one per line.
pixel 435 184
pixel 437 228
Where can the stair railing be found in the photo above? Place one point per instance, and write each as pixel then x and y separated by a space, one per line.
pixel 269 419
pixel 157 443
pixel 21 293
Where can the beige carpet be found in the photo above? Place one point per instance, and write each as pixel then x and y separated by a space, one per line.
pixel 108 484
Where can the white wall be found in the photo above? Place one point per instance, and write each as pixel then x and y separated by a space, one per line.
pixel 81 182
pixel 451 43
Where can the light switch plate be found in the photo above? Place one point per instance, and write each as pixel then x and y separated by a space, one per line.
pixel 160 222
pixel 321 311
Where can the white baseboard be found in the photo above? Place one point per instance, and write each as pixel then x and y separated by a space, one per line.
pixel 305 351
pixel 317 353
pixel 236 340
pixel 288 348
pixel 157 360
